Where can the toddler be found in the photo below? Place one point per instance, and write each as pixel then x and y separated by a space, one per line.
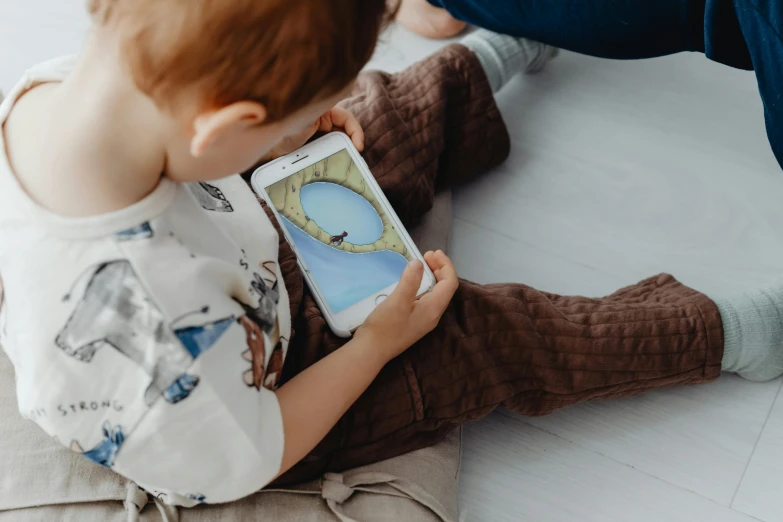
pixel 144 282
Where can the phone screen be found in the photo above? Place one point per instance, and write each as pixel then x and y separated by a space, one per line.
pixel 342 233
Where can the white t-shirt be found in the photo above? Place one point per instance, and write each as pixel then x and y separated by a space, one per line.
pixel 149 339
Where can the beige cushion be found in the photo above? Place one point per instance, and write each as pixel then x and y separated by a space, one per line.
pixel 40 480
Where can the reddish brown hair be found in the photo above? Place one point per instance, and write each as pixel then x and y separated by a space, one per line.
pixel 284 54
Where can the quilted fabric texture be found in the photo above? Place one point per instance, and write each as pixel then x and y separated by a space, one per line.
pixel 435 125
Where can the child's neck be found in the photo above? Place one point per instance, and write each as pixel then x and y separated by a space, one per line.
pixel 91 144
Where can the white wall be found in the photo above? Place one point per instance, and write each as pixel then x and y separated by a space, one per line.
pixel 32 31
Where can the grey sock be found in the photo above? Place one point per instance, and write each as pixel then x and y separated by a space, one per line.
pixel 503 56
pixel 753 333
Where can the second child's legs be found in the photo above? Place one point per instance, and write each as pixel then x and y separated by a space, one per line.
pixel 740 33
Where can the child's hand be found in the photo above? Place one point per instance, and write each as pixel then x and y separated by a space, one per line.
pixel 341 119
pixel 308 412
pixel 401 320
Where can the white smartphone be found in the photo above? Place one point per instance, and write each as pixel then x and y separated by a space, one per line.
pixel 350 243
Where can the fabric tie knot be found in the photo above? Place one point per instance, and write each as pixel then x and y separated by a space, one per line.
pixel 334 488
pixel 137 499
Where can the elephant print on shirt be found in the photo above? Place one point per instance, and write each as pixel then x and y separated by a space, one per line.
pixel 116 311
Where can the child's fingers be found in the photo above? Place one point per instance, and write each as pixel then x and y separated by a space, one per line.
pixel 409 283
pixel 447 275
pixel 432 260
pixel 347 121
pixel 447 285
pixel 440 264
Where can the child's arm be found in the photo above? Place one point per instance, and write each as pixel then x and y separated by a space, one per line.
pixel 317 398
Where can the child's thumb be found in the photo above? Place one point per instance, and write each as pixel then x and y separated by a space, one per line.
pixel 410 282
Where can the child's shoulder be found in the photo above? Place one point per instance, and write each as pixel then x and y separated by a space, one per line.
pixel 22 115
pixel 54 70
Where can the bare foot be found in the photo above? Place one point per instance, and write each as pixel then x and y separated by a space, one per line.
pixel 429 21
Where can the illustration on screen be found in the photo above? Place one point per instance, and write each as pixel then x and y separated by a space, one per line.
pixel 341 231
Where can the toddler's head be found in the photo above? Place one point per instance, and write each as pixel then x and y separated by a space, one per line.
pixel 238 76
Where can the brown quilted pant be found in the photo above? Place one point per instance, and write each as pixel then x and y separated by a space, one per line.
pixel 433 125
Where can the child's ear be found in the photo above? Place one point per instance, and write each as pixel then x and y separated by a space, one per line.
pixel 210 126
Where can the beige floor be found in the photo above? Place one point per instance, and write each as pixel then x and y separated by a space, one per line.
pixel 619 171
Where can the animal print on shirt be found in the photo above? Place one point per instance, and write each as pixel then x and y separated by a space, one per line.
pixel 210 197
pixel 116 311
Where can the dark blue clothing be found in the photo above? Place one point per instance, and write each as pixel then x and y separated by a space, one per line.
pixel 745 34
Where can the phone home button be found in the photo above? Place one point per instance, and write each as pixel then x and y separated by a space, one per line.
pixel 381 298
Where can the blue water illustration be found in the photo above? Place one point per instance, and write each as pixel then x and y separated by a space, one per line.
pixel 344 278
pixel 337 209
